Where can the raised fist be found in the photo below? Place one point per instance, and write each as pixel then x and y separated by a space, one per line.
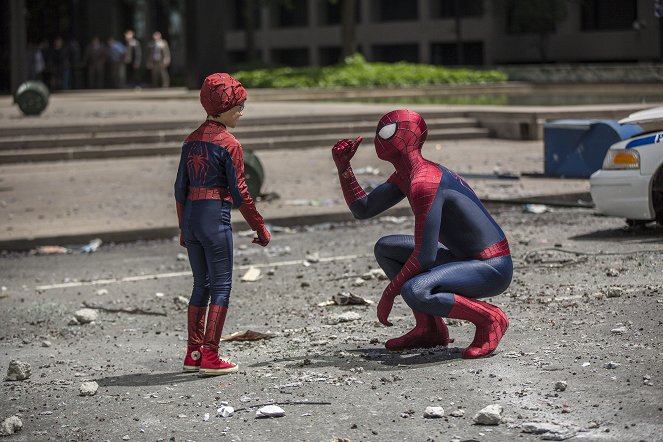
pixel 343 151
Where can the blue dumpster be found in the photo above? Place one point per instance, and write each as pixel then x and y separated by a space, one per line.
pixel 576 148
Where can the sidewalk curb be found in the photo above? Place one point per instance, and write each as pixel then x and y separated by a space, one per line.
pixel 145 234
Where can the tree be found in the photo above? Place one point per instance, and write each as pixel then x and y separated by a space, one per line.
pixel 538 17
pixel 348 40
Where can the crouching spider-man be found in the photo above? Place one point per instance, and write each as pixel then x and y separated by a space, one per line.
pixel 458 252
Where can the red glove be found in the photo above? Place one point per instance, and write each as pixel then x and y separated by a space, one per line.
pixel 343 151
pixel 384 308
pixel 263 237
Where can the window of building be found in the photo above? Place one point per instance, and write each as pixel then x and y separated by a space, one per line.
pixel 395 10
pixel 534 17
pixel 396 52
pixel 238 10
pixel 291 14
pixel 451 8
pixel 601 15
pixel 448 54
pixel 237 58
pixel 329 55
pixel 329 12
pixel 290 57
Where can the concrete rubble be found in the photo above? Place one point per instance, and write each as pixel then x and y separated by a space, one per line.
pixel 11 425
pixel 88 388
pixel 18 371
pixel 490 415
pixel 86 315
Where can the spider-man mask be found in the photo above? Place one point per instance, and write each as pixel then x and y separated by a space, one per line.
pixel 399 134
pixel 221 92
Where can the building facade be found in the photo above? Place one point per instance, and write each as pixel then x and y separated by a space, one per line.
pixel 209 35
pixel 448 32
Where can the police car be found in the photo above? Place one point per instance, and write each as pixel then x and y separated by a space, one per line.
pixel 630 182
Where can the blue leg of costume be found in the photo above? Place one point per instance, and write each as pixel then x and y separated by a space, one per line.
pixel 433 291
pixel 391 253
pixel 208 237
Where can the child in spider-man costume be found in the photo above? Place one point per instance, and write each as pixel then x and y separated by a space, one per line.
pixel 210 179
pixel 458 252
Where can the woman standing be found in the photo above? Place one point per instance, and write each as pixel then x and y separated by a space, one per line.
pixel 209 180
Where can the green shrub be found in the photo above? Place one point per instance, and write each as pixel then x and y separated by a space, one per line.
pixel 356 72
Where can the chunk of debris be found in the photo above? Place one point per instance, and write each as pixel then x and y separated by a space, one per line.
pixel 345 298
pixel 619 330
pixel 490 415
pixel 612 365
pixel 457 413
pixel 11 425
pixel 101 292
pixel 433 412
pixel 540 427
pixel 86 315
pixel 182 257
pixel 560 386
pixel 246 335
pixel 225 411
pixel 270 411
pixel 535 208
pixel 346 317
pixel 358 282
pixel 313 258
pixel 378 274
pixel 252 275
pixel 18 370
pixel 181 302
pixel 88 388
pixel 51 250
pixel 92 246
pixel 614 292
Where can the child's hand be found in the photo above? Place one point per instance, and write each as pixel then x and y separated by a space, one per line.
pixel 263 237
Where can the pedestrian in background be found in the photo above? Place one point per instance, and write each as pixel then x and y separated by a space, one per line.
pixel 132 58
pixel 94 60
pixel 60 65
pixel 116 52
pixel 210 179
pixel 158 60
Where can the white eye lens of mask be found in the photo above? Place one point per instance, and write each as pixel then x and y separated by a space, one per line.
pixel 387 131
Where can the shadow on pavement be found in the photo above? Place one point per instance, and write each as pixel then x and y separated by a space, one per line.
pixel 372 359
pixel 651 233
pixel 148 379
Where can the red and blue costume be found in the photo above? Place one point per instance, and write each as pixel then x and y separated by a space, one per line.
pixel 458 252
pixel 210 179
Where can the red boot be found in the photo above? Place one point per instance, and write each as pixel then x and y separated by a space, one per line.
pixel 211 364
pixel 196 331
pixel 490 321
pixel 429 331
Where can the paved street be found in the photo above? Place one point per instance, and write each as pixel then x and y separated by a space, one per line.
pixel 580 359
pixel 587 313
